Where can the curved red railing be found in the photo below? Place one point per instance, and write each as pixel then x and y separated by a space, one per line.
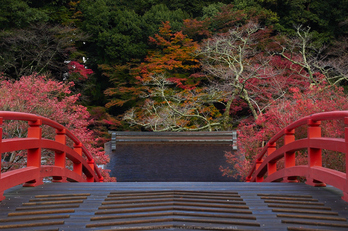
pixel 265 167
pixel 84 167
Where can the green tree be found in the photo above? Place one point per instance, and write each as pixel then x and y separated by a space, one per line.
pixel 219 18
pixel 193 8
pixel 324 17
pixel 18 14
pixel 120 34
pixel 122 91
pixel 59 11
pixel 161 13
pixel 23 13
pixel 116 35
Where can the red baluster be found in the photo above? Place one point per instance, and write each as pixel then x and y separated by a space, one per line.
pixel 91 164
pixel 78 166
pixel 1 189
pixel 0 143
pixel 271 166
pixel 34 155
pixel 314 154
pixel 289 156
pixel 345 191
pixel 258 164
pixel 60 157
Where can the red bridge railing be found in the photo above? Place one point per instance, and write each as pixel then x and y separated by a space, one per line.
pixel 84 168
pixel 265 167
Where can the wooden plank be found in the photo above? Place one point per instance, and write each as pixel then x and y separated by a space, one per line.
pixel 41 212
pixel 305 211
pixel 63 195
pixel 312 217
pixel 29 218
pixel 59 199
pixel 50 223
pixel 329 224
pixel 47 207
pixel 53 202
pixel 172 213
pixel 288 198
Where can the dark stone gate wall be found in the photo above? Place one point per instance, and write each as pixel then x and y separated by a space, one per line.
pixel 169 159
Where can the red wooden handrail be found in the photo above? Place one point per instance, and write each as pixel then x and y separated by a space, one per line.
pixel 84 170
pixel 265 169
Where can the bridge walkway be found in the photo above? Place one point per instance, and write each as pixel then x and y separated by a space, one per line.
pixel 173 206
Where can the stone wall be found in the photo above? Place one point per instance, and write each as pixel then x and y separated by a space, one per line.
pixel 169 157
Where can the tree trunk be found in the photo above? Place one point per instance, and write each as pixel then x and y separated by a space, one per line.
pixel 246 98
pixel 227 120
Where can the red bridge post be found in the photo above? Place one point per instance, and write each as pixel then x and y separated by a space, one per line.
pixel 91 164
pixel 271 166
pixel 34 155
pixel 78 166
pixel 1 192
pixel 314 154
pixel 258 164
pixel 60 157
pixel 289 156
pixel 345 191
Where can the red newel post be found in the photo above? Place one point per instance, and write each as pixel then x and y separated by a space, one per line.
pixel 258 164
pixel 345 191
pixel 1 189
pixel 78 166
pixel 314 154
pixel 0 144
pixel 34 155
pixel 289 156
pixel 60 157
pixel 91 164
pixel 271 166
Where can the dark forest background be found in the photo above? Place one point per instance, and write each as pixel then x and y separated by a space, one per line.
pixel 112 39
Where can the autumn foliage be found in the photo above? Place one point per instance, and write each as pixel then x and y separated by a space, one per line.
pixel 81 70
pixel 52 99
pixel 173 57
pixel 253 135
pixel 171 94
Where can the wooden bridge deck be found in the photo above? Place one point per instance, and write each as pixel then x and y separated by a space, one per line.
pixel 173 206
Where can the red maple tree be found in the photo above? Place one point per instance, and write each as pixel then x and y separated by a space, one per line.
pixel 253 135
pixel 52 99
